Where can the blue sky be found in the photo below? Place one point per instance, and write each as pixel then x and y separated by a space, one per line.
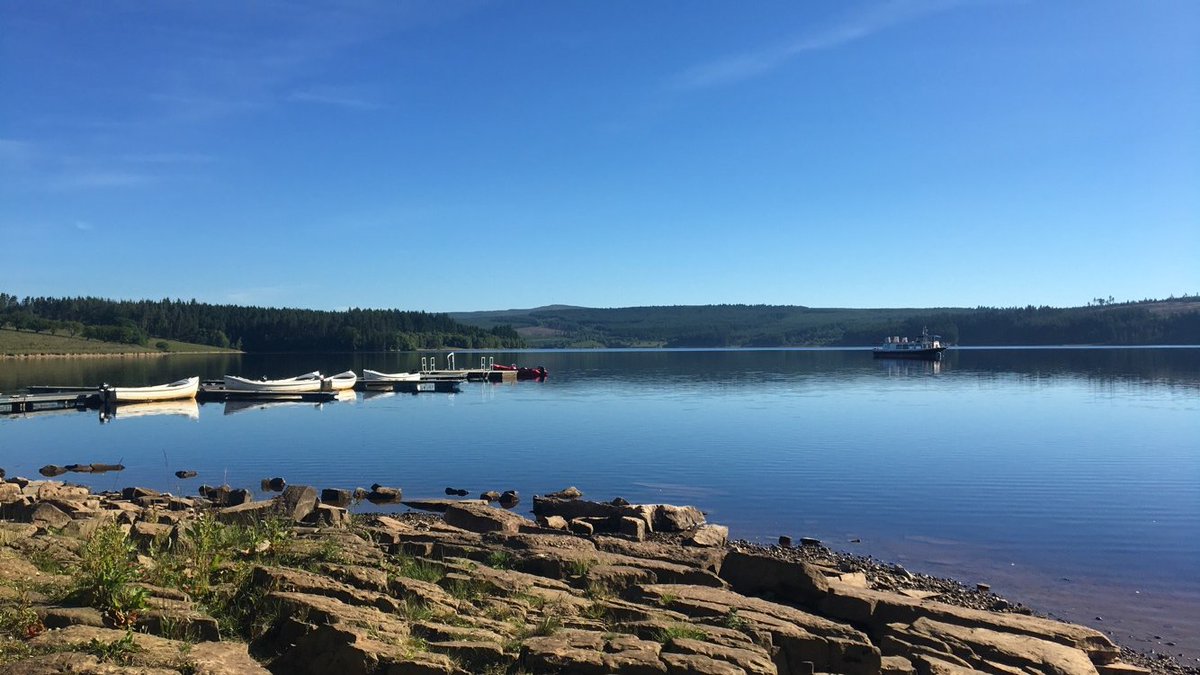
pixel 486 155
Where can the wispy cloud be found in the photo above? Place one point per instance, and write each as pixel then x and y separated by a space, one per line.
pixel 159 158
pixel 341 97
pixel 30 166
pixel 100 178
pixel 13 151
pixel 850 28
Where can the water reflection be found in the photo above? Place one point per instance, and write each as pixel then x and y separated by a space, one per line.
pixel 235 407
pixel 182 407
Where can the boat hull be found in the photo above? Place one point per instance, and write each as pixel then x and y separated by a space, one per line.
pixel 371 376
pixel 185 388
pixel 931 354
pixel 339 382
pixel 304 383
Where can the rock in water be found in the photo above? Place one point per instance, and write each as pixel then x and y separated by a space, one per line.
pixel 335 497
pixel 185 474
pixel 566 493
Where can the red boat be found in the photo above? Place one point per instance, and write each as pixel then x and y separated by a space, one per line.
pixel 523 373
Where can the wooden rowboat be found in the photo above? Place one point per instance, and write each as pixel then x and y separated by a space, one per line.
pixel 339 382
pixel 370 376
pixel 300 383
pixel 185 388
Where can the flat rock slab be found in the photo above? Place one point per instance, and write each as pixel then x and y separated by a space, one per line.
pixel 154 655
pixel 481 518
pixel 440 505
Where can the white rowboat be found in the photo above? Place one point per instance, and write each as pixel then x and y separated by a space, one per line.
pixel 339 382
pixel 370 376
pixel 300 383
pixel 185 388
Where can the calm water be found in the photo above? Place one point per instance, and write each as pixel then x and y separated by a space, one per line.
pixel 1066 478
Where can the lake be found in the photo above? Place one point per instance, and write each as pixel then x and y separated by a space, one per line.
pixel 1066 478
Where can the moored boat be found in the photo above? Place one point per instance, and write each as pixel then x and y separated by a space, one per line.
pixel 371 376
pixel 300 383
pixel 925 347
pixel 185 388
pixel 339 382
pixel 523 373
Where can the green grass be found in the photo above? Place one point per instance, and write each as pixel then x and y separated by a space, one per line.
pixel 106 573
pixel 21 343
pixel 678 631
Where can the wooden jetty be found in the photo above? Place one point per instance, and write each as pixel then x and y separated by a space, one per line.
pixel 471 375
pixel 26 403
pixel 444 386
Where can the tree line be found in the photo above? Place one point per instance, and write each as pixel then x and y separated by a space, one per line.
pixel 1176 321
pixel 255 329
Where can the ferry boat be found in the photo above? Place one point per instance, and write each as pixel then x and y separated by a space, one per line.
pixel 925 347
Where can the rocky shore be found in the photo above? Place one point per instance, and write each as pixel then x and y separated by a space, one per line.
pixel 149 583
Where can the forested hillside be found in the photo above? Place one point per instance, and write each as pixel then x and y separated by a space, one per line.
pixel 256 329
pixel 1174 321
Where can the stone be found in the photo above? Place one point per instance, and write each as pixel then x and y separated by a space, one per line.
pixel 580 526
pixel 711 536
pixel 132 493
pixel 477 518
pixel 566 493
pixel 693 664
pixel 185 474
pixel 62 493
pixel 144 533
pixel 981 647
pixel 154 655
pixel 61 617
pixel 84 528
pixel 276 484
pixel 246 514
pixel 380 494
pixel 877 609
pixel 509 499
pixel 752 661
pixel 9 492
pixel 328 516
pixel 552 522
pixel 634 528
pixel 670 518
pixel 490 496
pixel 49 516
pixel 755 574
pixel 785 541
pixel 439 505
pixel 809 541
pixel 336 497
pixel 51 470
pixel 297 501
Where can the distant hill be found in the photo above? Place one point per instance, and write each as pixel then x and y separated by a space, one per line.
pixel 1174 321
pixel 253 329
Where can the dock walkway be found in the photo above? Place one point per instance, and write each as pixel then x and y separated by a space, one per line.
pixel 24 403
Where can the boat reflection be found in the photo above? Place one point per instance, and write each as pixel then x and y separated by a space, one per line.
pixel 235 407
pixel 910 367
pixel 182 407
